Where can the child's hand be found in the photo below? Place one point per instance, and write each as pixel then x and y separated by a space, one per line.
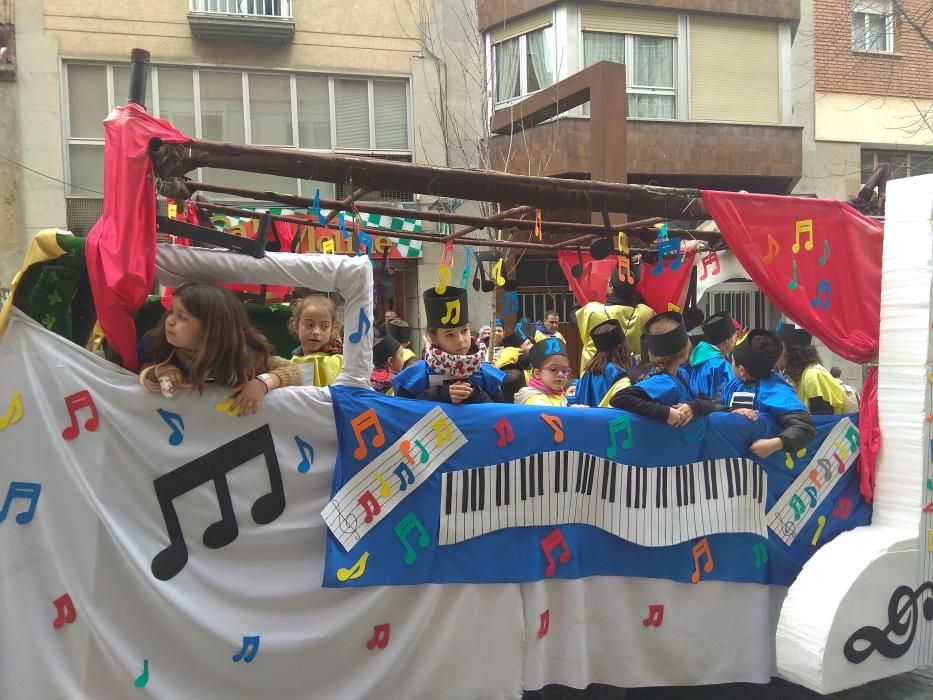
pixel 749 413
pixel 686 412
pixel 674 417
pixel 247 398
pixel 766 447
pixel 460 391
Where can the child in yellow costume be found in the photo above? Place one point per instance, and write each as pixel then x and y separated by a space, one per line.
pixel 550 374
pixel 314 323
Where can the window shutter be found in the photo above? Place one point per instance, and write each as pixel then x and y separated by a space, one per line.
pixel 522 25
pixel 351 110
pixel 391 113
pixel 628 20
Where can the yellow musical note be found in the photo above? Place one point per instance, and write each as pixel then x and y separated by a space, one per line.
pixel 356 571
pixel 13 413
pixel 806 227
pixel 443 279
pixel 622 244
pixel 227 407
pixel 453 312
pixel 327 246
pixel 384 489
pixel 673 307
pixel 497 273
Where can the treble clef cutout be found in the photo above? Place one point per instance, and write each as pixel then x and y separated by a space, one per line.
pixel 903 601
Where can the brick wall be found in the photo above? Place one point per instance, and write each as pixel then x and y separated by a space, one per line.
pixel 904 73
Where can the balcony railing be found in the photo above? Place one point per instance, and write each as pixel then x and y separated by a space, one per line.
pixel 280 9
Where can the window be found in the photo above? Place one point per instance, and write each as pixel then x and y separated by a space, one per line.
pixel 524 64
pixel 903 163
pixel 365 116
pixel 872 26
pixel 650 70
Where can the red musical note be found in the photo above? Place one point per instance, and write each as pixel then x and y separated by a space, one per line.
pixel 380 636
pixel 370 504
pixel 504 429
pixel 700 549
pixel 66 611
pixel 367 419
pixel 709 259
pixel 549 544
pixel 655 616
pixel 545 624
pixel 773 249
pixel 74 403
pixel 840 465
pixel 843 508
pixel 556 425
pixel 928 508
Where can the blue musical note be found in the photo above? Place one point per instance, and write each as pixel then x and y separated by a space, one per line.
pixel 249 650
pixel 343 226
pixel 176 423
pixel 307 455
pixel 21 489
pixel 667 246
pixel 465 277
pixel 357 335
pixel 316 207
pixel 511 305
pixel 551 346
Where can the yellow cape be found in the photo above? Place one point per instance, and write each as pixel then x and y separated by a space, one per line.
pixel 326 367
pixel 816 381
pixel 632 319
pixel 613 390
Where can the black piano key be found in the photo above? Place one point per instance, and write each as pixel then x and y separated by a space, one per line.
pixel 658 485
pixel 473 479
pixel 664 475
pixel 566 458
pixel 541 474
pixel 507 485
pixel 499 484
pixel 465 491
pixel 644 488
pixel 729 476
pixel 637 486
pixel 761 483
pixel 680 496
pixel 605 489
pixel 579 462
pixel 755 480
pixel 481 499
pixel 450 492
pixel 714 479
pixel 531 477
pixel 557 466
pixel 693 493
pixel 612 482
pixel 744 476
pixel 521 467
pixel 592 473
pixel 628 485
pixel 706 489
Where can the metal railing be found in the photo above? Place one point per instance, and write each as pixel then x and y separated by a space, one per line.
pixel 281 9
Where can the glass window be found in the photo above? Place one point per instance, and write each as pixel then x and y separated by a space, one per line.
pixel 653 62
pixel 351 112
pixel 222 106
pixel 251 181
pixel 539 59
pixel 87 169
pixel 121 87
pixel 309 187
pixel 903 163
pixel 270 110
pixel 87 101
pixel 872 25
pixel 603 47
pixel 176 99
pixel 507 56
pixel 313 112
pixel 390 105
pixel 921 164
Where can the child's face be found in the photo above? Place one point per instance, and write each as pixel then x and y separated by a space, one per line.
pixel 741 373
pixel 182 329
pixel 396 362
pixel 315 327
pixel 456 341
pixel 499 334
pixel 728 346
pixel 554 373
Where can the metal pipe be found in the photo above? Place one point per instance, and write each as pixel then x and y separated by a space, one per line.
pixel 139 75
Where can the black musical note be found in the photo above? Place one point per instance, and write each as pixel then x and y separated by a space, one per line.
pixel 214 466
pixel 903 600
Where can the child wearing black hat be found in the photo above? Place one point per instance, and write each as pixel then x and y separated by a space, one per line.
pixel 710 366
pixel 550 373
pixel 387 362
pixel 803 367
pixel 608 367
pixel 758 388
pixel 401 331
pixel 453 370
pixel 664 392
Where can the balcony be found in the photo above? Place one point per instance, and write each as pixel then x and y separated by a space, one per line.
pixel 258 21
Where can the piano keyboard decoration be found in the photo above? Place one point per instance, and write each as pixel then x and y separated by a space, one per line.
pixel 650 506
pixel 367 498
pixel 793 510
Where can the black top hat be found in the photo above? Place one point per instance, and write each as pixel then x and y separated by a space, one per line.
pixel 719 327
pixel 607 335
pixel 789 334
pixel 447 310
pixel 401 333
pixel 758 358
pixel 383 349
pixel 514 339
pixel 669 343
pixel 546 348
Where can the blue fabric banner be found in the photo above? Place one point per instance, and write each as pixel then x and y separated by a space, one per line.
pixel 438 493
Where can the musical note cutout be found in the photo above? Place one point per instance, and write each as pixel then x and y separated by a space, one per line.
pixel 425 455
pixel 497 273
pixel 227 407
pixel 74 403
pixel 798 506
pixel 357 335
pixel 405 448
pixel 65 611
pixel 928 508
pixel 930 546
pixel 551 345
pixel 306 452
pixel 465 277
pixel 825 257
pixel 403 529
pixel 552 541
pixel 479 279
pixel 443 279
pixel 793 283
pixel 249 650
pixel 441 428
pixel 664 247
pixel 370 504
pixel 510 303
pixel 327 246
pixel 453 312
pixel 405 476
pixel 622 243
pixel 671 306
pixel 805 226
pixel 623 425
pixel 930 484
pixel 176 423
pixel 214 466
pixel 761 554
pixel 556 425
pixel 367 419
pixel 380 637
pixel 384 489
pixel 355 571
pixel 316 207
pixel 143 678
pixel 701 549
pixel 696 431
pixel 655 616
pixel 21 489
pixel 904 612
pixel 773 249
pixel 822 286
pixel 366 244
pixel 13 412
pixel 504 430
pixel 820 522
pixel 788 460
pixel 709 259
pixel 545 624
pixel 843 508
pixel 624 269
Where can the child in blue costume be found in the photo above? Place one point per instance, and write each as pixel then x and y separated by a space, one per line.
pixel 664 392
pixel 453 370
pixel 610 364
pixel 758 388
pixel 710 368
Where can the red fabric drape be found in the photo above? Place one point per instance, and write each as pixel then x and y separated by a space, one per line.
pixel 669 287
pixel 591 286
pixel 120 249
pixel 819 262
